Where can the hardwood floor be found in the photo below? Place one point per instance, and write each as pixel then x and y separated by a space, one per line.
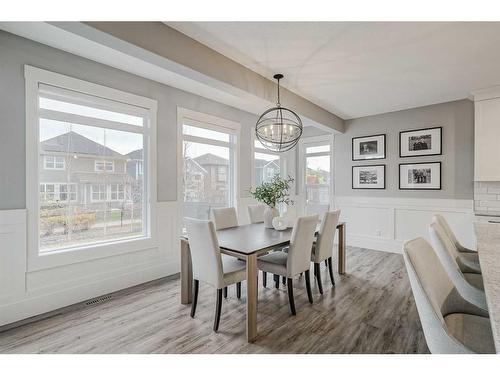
pixel 370 310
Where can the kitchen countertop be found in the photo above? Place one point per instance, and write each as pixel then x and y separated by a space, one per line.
pixel 488 247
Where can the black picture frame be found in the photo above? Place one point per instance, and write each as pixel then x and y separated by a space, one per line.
pixel 417 130
pixel 368 136
pixel 368 165
pixel 417 189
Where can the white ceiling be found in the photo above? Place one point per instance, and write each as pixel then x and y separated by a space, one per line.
pixel 357 69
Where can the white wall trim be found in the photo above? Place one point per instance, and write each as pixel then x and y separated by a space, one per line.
pixel 25 293
pixel 387 223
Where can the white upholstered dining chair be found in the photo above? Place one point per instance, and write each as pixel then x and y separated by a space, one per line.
pixel 469 285
pixel 296 260
pixel 323 247
pixel 256 213
pixel 468 259
pixel 225 217
pixel 210 266
pixel 450 323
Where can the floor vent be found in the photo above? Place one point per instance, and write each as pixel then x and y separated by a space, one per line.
pixel 96 301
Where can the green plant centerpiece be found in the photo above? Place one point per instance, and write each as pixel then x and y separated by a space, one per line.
pixel 271 194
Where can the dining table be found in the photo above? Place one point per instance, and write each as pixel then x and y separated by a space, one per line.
pixel 247 242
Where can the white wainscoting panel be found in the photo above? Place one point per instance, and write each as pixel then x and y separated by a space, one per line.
pixel 24 294
pixel 386 223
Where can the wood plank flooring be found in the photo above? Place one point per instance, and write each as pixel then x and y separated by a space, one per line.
pixel 370 310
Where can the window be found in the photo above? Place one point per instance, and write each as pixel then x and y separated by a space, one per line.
pixel 222 174
pixel 89 133
pixel 116 192
pixel 57 192
pixel 317 172
pixel 104 166
pixel 266 164
pixel 208 169
pixel 67 192
pixel 54 162
pixel 99 193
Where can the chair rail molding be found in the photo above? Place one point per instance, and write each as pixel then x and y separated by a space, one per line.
pixel 387 223
pixel 24 293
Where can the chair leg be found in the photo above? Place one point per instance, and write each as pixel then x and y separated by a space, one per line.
pixel 317 274
pixel 238 290
pixel 289 283
pixel 308 287
pixel 264 279
pixel 218 306
pixel 195 298
pixel 277 281
pixel 284 280
pixel 225 292
pixel 330 270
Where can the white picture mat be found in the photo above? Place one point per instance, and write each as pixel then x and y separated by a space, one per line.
pixel 435 182
pixel 380 139
pixel 378 169
pixel 435 134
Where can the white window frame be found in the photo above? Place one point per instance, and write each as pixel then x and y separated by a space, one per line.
pixel 104 164
pixel 282 159
pixel 211 123
pixel 145 107
pixel 311 142
pixel 110 192
pixel 45 157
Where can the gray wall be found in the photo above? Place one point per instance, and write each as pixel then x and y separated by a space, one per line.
pixel 457 120
pixel 16 51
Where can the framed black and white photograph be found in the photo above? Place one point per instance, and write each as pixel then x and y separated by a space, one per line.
pixel 420 176
pixel 368 148
pixel 368 177
pixel 420 142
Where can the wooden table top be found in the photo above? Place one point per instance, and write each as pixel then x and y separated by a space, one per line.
pixel 253 238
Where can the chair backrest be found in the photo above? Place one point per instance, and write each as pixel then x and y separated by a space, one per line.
pixel 299 252
pixel 205 252
pixel 317 208
pixel 439 219
pixel 431 288
pixel 256 213
pixel 326 236
pixel 448 254
pixel 225 217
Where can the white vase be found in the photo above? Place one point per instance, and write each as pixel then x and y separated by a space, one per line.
pixel 269 214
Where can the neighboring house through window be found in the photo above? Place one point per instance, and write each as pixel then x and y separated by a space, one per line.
pixel 90 143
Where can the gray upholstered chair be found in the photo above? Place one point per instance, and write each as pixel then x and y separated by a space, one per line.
pixel 468 259
pixel 225 217
pixel 323 247
pixel 256 213
pixel 210 266
pixel 317 208
pixel 469 285
pixel 450 323
pixel 296 260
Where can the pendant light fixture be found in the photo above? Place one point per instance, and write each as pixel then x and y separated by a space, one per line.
pixel 279 128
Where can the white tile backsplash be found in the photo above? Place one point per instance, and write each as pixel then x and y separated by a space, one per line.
pixel 487 197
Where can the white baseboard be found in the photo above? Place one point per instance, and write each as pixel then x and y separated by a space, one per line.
pixel 25 293
pixel 39 304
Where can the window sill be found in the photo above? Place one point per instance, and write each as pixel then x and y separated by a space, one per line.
pixel 63 257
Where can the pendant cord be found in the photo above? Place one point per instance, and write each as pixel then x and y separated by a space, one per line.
pixel 278 104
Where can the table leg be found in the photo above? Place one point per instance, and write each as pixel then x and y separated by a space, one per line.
pixel 186 273
pixel 341 265
pixel 252 285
